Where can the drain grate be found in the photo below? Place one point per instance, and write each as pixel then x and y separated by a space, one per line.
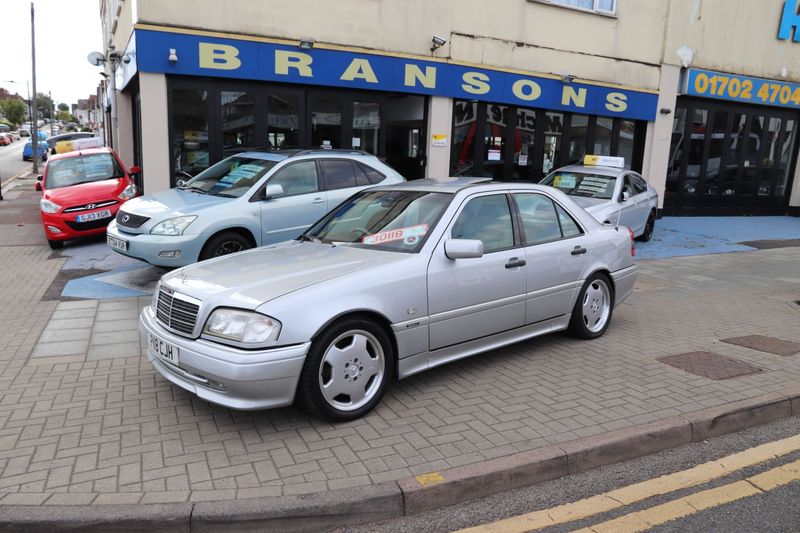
pixel 709 365
pixel 762 343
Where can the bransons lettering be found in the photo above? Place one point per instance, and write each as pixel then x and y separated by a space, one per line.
pixel 295 64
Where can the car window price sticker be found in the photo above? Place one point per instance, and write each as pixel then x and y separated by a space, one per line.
pixel 712 84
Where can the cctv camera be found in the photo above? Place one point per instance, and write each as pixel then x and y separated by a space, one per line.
pixel 438 41
pixel 114 56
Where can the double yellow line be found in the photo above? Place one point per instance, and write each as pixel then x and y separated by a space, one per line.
pixel 679 508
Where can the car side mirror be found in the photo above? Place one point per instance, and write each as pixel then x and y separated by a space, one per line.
pixel 134 170
pixel 272 191
pixel 38 186
pixel 625 196
pixel 463 248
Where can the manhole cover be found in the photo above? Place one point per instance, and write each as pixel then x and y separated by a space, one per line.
pixel 709 365
pixel 762 343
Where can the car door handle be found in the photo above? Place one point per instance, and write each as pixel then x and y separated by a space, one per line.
pixel 515 262
pixel 318 200
pixel 578 250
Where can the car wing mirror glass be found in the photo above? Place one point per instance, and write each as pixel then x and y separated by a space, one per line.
pixel 272 191
pixel 463 248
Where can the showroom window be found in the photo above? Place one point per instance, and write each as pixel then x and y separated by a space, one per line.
pixel 605 7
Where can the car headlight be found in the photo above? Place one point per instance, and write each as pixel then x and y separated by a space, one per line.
pixel 48 206
pixel 242 326
pixel 128 193
pixel 173 226
pixel 154 301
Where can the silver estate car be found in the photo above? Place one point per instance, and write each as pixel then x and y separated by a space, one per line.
pixel 395 280
pixel 246 200
pixel 611 195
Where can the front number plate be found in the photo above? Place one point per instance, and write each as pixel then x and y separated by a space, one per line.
pixel 118 244
pixel 164 350
pixel 88 217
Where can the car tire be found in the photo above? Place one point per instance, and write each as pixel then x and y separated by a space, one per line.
pixel 225 243
pixel 55 245
pixel 593 308
pixel 649 228
pixel 349 350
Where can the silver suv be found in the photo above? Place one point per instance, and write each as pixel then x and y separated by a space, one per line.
pixel 247 200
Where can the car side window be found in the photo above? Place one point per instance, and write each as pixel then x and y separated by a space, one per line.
pixel 297 178
pixel 361 177
pixel 487 219
pixel 638 183
pixel 539 219
pixel 339 173
pixel 373 175
pixel 569 228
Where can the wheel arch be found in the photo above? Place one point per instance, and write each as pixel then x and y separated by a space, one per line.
pixel 381 320
pixel 241 230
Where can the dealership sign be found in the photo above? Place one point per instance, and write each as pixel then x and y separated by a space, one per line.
pixel 205 55
pixel 746 89
pixel 790 21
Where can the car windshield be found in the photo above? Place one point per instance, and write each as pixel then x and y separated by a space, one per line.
pixel 82 169
pixel 586 184
pixel 398 221
pixel 230 177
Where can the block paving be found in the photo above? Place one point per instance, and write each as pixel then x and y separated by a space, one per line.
pixel 84 419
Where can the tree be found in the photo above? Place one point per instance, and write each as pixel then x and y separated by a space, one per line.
pixel 63 116
pixel 14 110
pixel 43 103
pixel 63 107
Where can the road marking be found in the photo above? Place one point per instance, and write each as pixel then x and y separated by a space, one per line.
pixel 430 478
pixel 700 501
pixel 644 490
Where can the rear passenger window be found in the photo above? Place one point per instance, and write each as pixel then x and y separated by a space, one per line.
pixel 373 175
pixel 339 174
pixel 539 219
pixel 361 178
pixel 569 228
pixel 639 184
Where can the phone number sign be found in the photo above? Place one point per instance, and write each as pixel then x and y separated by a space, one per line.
pixel 710 84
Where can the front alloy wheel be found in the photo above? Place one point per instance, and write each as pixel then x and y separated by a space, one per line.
pixel 347 370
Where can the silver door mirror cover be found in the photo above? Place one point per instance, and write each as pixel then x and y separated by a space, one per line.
pixel 625 196
pixel 272 191
pixel 463 248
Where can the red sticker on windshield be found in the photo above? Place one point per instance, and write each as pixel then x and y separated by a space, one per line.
pixel 410 235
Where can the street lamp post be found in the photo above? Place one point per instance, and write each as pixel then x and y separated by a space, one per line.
pixel 34 111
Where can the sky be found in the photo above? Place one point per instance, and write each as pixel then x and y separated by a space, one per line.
pixel 66 31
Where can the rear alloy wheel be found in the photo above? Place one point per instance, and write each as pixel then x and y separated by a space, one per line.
pixel 225 243
pixel 347 370
pixel 649 227
pixel 593 309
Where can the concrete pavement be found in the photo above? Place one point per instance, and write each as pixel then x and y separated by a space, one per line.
pixel 88 431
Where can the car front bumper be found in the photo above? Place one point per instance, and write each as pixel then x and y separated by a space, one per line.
pixel 238 379
pixel 147 247
pixel 59 222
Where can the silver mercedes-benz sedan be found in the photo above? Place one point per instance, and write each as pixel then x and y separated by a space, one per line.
pixel 611 194
pixel 395 280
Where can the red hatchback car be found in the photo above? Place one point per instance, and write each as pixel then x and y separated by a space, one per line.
pixel 81 193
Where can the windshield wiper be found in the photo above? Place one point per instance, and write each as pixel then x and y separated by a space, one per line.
pixel 193 189
pixel 305 237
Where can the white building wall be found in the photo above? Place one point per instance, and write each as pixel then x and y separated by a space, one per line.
pixel 155 134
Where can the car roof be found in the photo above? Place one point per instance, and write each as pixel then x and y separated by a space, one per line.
pixel 78 153
pixel 454 185
pixel 280 155
pixel 594 169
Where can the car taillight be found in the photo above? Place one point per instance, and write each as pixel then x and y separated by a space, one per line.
pixel 633 243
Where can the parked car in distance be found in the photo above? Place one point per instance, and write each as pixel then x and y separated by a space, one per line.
pixel 246 200
pixel 52 140
pixel 27 151
pixel 395 280
pixel 610 193
pixel 6 139
pixel 24 132
pixel 81 193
